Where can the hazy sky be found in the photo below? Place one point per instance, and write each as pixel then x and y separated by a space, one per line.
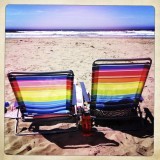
pixel 79 17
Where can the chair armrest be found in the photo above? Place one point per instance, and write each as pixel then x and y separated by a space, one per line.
pixel 74 98
pixel 84 92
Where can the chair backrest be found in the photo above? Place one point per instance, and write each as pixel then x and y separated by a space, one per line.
pixel 42 93
pixel 118 82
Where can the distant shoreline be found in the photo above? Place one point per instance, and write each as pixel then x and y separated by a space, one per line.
pixel 82 30
pixel 85 34
pixel 83 37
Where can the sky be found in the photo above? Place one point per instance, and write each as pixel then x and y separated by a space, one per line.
pixel 50 17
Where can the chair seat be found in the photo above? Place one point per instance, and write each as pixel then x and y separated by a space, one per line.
pixel 43 97
pixel 117 85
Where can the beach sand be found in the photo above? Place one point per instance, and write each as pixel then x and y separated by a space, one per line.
pixel 78 54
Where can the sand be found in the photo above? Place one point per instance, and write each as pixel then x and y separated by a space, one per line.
pixel 78 54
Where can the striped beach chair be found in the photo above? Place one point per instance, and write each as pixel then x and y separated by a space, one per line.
pixel 117 86
pixel 43 96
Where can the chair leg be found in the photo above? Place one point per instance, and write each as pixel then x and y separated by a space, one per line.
pixel 21 134
pixel 16 126
pixel 17 122
pixel 141 117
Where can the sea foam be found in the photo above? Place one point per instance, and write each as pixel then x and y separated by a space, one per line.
pixel 50 34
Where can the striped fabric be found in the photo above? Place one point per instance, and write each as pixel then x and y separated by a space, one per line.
pixel 117 85
pixel 43 94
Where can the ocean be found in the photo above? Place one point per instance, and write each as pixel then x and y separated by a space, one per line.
pixel 52 34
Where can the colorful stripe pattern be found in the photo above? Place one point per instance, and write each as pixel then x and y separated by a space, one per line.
pixel 117 85
pixel 43 94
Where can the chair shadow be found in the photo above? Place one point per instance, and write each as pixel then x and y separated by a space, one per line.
pixel 141 127
pixel 73 140
pixel 71 137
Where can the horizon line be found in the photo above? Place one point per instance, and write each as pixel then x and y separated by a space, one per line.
pixel 124 29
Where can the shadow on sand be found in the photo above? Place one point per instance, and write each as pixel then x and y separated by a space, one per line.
pixel 70 137
pixel 132 127
pixel 78 140
pixel 140 127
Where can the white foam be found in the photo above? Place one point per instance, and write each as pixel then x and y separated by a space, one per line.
pixel 50 34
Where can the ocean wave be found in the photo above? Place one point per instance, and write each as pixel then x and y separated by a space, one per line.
pixel 50 34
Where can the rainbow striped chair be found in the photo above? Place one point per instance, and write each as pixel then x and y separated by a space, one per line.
pixel 117 86
pixel 43 96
